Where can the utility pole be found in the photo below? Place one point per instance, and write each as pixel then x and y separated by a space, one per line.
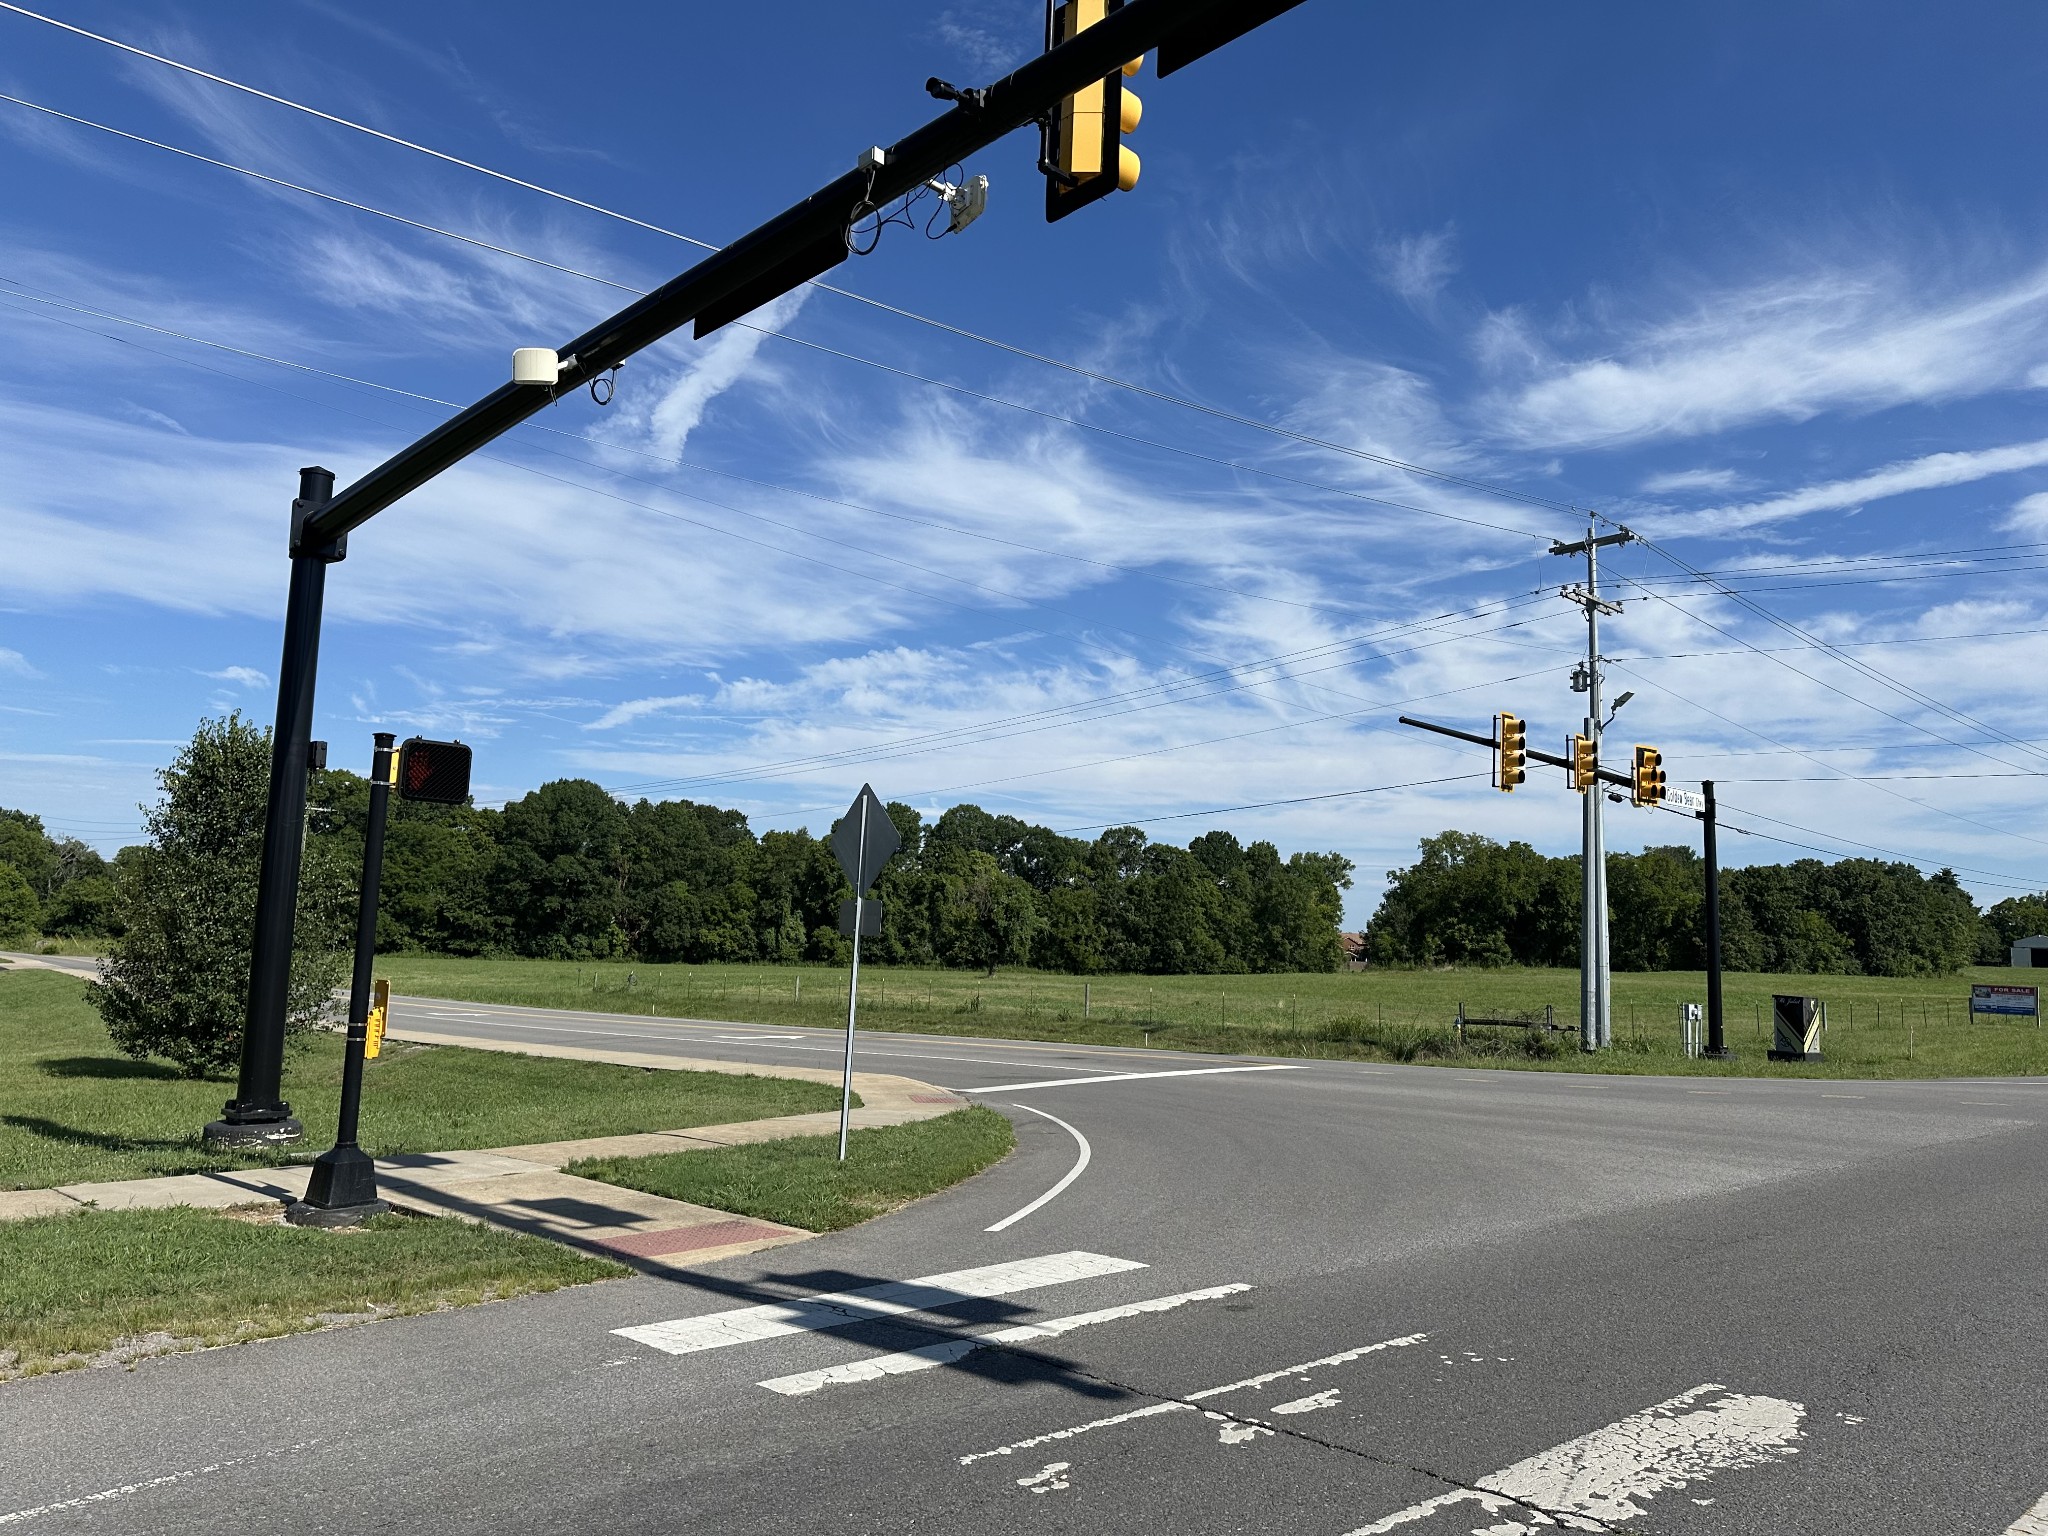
pixel 1595 1024
pixel 799 244
pixel 1717 1038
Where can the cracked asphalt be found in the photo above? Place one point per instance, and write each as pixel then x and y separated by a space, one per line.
pixel 1477 1301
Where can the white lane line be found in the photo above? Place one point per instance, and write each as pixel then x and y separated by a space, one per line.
pixel 1600 1480
pixel 1073 1173
pixel 674 1037
pixel 1130 1077
pixel 2034 1522
pixel 931 1356
pixel 841 1309
pixel 125 1490
pixel 1187 1404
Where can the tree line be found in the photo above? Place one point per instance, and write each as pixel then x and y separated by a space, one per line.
pixel 570 872
pixel 1469 900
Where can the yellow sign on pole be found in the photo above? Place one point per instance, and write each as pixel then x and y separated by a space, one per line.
pixel 380 1010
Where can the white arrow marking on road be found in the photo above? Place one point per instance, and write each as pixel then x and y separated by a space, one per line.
pixel 1126 1077
pixel 931 1356
pixel 2034 1522
pixel 1187 1404
pixel 842 1309
pixel 1600 1480
pixel 1073 1173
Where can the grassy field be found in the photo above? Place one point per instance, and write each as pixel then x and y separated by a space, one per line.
pixel 119 1285
pixel 1878 1027
pixel 73 1110
pixel 801 1182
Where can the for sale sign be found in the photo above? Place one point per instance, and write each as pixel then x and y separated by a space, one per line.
pixel 2025 1002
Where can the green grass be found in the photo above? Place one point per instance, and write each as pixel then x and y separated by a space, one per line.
pixel 1879 1027
pixel 73 1110
pixel 800 1182
pixel 145 1282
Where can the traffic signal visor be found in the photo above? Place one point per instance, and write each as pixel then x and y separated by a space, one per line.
pixel 1511 767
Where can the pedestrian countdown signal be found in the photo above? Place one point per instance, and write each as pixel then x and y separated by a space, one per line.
pixel 436 772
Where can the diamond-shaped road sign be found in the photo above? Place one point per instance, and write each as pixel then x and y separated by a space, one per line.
pixel 864 839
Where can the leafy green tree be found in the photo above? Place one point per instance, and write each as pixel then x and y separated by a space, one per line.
pixel 2009 921
pixel 563 872
pixel 27 849
pixel 83 909
pixel 990 917
pixel 175 983
pixel 20 912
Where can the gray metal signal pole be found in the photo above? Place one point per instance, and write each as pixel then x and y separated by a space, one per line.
pixel 1595 1013
pixel 799 244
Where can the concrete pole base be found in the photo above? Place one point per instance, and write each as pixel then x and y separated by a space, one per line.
pixel 300 1214
pixel 253 1133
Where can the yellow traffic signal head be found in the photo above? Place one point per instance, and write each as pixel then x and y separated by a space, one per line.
pixel 1085 158
pixel 1646 785
pixel 1511 759
pixel 1583 772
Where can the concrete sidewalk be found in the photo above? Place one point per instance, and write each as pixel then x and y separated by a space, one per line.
pixel 524 1189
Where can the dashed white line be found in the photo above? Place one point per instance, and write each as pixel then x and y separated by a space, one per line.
pixel 1187 1404
pixel 126 1490
pixel 932 1356
pixel 1602 1479
pixel 1073 1173
pixel 842 1309
pixel 1131 1077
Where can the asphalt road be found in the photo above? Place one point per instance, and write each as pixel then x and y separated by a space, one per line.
pixel 1331 1298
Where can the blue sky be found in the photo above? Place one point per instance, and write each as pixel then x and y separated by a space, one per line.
pixel 1768 283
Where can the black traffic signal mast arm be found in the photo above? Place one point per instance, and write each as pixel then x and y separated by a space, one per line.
pixel 801 242
pixel 791 248
pixel 1608 775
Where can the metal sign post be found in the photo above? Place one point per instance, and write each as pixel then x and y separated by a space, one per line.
pixel 863 840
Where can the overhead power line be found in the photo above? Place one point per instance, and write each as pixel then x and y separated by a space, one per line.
pixel 1095 375
pixel 1874 674
pixel 1288 665
pixel 1262 805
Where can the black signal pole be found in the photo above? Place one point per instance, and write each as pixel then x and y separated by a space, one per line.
pixel 257 1114
pixel 1717 1038
pixel 798 244
pixel 343 1187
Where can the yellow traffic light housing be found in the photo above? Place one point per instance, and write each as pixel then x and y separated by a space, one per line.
pixel 1582 772
pixel 1646 785
pixel 1511 760
pixel 1085 157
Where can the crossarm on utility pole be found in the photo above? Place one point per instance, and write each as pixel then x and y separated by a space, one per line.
pixel 796 245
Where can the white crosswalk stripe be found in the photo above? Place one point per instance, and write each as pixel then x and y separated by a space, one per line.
pixel 1601 1479
pixel 2034 1522
pixel 947 1351
pixel 842 1309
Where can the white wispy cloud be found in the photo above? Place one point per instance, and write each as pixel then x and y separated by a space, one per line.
pixel 1782 350
pixel 1921 474
pixel 1417 266
pixel 638 709
pixel 15 662
pixel 246 677
pixel 1690 480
